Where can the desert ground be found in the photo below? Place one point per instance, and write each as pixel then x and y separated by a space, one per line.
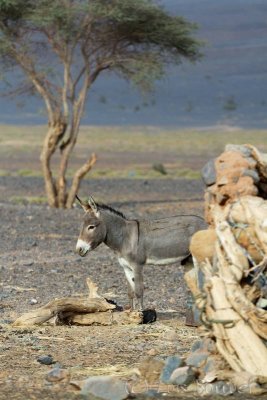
pixel 38 261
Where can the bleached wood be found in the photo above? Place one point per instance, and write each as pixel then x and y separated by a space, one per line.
pixel 107 318
pixel 67 304
pixel 249 348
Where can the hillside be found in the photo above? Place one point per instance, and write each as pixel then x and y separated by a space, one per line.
pixel 225 88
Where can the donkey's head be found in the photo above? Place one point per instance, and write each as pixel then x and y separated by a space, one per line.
pixel 93 230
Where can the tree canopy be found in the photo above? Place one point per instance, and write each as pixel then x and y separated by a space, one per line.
pixel 59 48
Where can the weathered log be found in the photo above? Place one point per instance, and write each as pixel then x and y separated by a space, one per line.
pixel 250 350
pixel 251 210
pixel 105 318
pixel 256 317
pixel 67 304
pixel 91 310
pixel 92 303
pixel 235 254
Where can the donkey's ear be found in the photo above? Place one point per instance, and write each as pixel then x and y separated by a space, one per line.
pixel 93 206
pixel 85 206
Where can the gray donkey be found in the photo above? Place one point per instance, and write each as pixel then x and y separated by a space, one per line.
pixel 136 242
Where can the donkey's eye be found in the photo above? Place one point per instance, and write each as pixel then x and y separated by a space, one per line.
pixel 91 227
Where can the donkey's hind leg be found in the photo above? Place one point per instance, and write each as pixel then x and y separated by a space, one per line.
pixel 139 287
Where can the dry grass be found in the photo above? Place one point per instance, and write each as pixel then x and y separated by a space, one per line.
pixel 136 138
pixel 144 144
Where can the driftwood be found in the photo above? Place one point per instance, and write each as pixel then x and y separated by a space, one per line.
pixel 237 324
pixel 70 305
pixel 232 258
pixel 87 310
pixel 106 318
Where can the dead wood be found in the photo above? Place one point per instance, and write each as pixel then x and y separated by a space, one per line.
pixel 59 306
pixel 233 298
pixel 87 310
pixel 249 348
pixel 106 318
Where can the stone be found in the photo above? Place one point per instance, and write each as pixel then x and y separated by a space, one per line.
pixel 214 364
pixel 182 376
pixel 33 301
pixel 246 151
pixel 150 369
pixel 262 303
pixel 105 388
pixel 152 352
pixel 171 363
pixel 208 173
pixel 222 181
pixel 57 374
pixel 252 173
pixel 149 316
pixel 197 359
pixel 159 167
pixel 28 263
pixel 196 346
pixel 47 359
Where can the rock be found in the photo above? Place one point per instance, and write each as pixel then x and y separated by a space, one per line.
pixel 28 263
pixel 209 173
pixel 262 303
pixel 253 174
pixel 246 151
pixel 150 370
pixel 149 316
pixel 222 181
pixel 105 387
pixel 171 363
pixel 197 359
pixel 206 344
pixel 57 374
pixel 159 167
pixel 152 352
pixel 33 301
pixel 196 345
pixel 182 376
pixel 214 364
pixel 47 360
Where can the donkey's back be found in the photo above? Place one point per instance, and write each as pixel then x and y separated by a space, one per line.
pixel 167 240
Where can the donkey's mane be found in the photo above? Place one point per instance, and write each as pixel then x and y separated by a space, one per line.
pixel 111 209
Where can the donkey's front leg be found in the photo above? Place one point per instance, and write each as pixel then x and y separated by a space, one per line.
pixel 138 287
pixel 129 273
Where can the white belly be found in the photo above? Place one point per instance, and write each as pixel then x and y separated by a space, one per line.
pixel 163 261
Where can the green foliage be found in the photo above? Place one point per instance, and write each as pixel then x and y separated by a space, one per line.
pixel 134 38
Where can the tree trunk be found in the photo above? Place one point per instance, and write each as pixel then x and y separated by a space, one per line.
pixel 57 195
pixel 55 133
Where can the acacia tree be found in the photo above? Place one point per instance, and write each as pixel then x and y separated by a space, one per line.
pixel 60 47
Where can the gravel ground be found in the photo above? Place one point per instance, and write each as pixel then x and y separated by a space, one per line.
pixel 38 262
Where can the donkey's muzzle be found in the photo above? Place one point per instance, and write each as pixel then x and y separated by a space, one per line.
pixel 82 248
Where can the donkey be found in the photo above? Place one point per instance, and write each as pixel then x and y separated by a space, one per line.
pixel 136 242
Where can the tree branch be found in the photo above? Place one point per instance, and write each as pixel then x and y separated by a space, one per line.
pixel 79 175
